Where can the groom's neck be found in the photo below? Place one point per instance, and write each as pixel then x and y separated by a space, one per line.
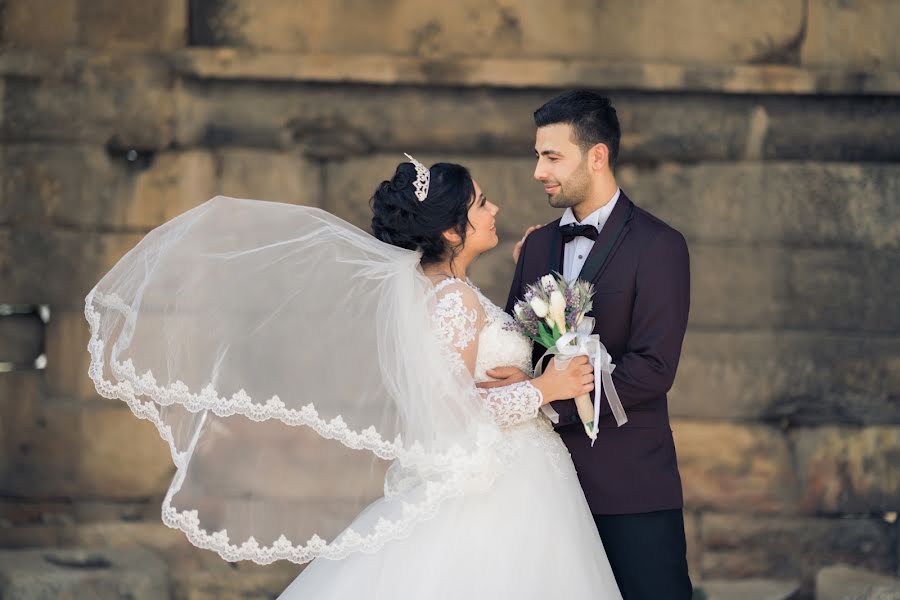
pixel 602 193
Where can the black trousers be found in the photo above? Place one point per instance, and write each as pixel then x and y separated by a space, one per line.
pixel 648 554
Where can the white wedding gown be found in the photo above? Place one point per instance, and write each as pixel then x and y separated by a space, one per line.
pixel 531 535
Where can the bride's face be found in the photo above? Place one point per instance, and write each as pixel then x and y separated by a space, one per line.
pixel 482 231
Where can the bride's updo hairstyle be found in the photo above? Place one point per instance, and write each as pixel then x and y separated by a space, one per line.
pixel 400 219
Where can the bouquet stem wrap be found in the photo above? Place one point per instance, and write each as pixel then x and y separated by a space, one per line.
pixel 584 343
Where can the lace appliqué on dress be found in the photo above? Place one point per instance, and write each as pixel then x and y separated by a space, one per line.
pixel 514 408
pixel 456 324
pixel 463 314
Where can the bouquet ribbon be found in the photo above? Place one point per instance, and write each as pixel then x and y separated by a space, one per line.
pixel 582 342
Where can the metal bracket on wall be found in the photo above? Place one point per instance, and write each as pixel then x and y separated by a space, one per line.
pixel 37 357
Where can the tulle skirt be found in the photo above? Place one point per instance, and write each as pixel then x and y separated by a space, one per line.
pixel 531 535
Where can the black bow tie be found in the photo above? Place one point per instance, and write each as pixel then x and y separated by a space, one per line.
pixel 571 231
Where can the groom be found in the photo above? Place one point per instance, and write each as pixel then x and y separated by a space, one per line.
pixel 640 270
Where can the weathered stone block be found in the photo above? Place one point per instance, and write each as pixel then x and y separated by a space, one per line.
pixel 132 24
pixel 65 512
pixel 749 589
pixel 84 573
pixel 855 34
pixel 29 536
pixel 744 545
pixel 792 203
pixel 727 32
pixel 798 378
pixel 879 592
pixel 845 470
pixel 726 465
pixel 2 129
pixel 339 121
pixel 773 288
pixel 87 449
pixel 267 175
pixel 50 523
pixel 66 374
pixel 169 544
pixel 39 24
pixel 175 183
pixel 98 24
pixel 88 187
pixel 841 128
pixel 122 100
pixel 218 580
pixel 518 72
pixel 56 266
pixel 839 582
pixel 19 398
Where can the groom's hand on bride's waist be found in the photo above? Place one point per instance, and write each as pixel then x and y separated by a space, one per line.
pixel 504 376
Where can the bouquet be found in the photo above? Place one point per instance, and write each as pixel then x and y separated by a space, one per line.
pixel 552 313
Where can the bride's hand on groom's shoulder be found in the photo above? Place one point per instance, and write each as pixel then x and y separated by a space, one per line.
pixel 504 376
pixel 518 249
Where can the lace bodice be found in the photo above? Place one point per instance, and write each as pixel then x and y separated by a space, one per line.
pixel 472 327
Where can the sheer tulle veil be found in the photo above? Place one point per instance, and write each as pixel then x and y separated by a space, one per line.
pixel 290 362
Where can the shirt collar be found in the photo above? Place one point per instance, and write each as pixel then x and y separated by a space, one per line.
pixel 596 218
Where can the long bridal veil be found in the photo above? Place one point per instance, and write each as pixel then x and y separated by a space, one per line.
pixel 290 362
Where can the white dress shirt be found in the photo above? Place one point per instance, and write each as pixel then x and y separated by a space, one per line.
pixel 577 250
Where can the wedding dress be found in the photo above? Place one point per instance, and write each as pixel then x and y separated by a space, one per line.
pixel 531 535
pixel 317 395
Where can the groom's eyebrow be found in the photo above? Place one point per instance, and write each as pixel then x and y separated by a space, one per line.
pixel 545 152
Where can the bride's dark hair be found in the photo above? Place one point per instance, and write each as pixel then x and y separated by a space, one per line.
pixel 400 219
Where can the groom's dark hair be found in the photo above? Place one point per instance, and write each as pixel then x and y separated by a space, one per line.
pixel 592 117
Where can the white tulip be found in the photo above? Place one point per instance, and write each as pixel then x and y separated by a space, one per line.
pixel 539 307
pixel 558 310
pixel 520 312
pixel 548 283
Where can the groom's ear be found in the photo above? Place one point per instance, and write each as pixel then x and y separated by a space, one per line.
pixel 598 157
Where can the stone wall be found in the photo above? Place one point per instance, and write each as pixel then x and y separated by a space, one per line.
pixel 767 132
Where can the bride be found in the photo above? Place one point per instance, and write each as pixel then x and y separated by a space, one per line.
pixel 314 383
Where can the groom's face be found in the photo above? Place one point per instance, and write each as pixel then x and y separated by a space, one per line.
pixel 561 166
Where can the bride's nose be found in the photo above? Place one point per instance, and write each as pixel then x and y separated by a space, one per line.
pixel 494 209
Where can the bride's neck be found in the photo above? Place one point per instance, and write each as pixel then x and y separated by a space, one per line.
pixel 448 268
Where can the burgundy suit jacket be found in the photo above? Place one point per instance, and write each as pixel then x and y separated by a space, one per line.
pixel 641 274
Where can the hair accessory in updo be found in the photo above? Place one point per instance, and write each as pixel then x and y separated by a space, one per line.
pixel 423 178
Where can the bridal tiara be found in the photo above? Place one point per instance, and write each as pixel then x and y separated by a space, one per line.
pixel 423 178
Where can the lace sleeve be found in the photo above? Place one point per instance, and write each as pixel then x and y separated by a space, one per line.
pixel 460 317
pixel 513 404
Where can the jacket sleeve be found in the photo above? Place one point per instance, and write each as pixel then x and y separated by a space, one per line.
pixel 646 370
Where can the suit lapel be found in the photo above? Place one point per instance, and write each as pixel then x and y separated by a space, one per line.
pixel 614 231
pixel 555 255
